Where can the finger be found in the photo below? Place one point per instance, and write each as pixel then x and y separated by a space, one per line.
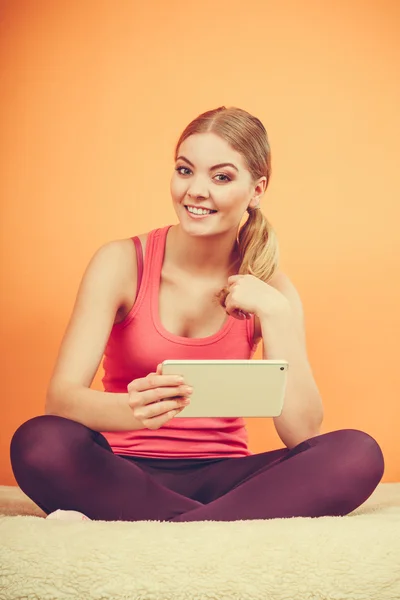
pixel 154 381
pixel 235 311
pixel 238 314
pixel 231 306
pixel 161 408
pixel 244 314
pixel 162 393
pixel 229 310
pixel 159 421
pixel 234 278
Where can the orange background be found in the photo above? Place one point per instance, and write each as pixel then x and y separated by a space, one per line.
pixel 93 98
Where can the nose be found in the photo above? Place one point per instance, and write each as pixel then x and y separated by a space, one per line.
pixel 197 189
pixel 197 196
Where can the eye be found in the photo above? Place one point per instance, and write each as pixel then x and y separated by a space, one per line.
pixel 222 175
pixel 179 169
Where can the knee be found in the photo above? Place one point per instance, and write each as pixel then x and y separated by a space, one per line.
pixel 42 442
pixel 360 456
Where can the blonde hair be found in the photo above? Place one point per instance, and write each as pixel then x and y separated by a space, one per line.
pixel 257 241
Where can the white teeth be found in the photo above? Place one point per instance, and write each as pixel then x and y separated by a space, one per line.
pixel 199 211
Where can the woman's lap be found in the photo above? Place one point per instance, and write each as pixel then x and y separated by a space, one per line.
pixel 165 489
pixel 206 480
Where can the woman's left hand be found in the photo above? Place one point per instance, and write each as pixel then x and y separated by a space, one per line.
pixel 249 295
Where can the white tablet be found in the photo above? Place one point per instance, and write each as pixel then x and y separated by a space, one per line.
pixel 231 388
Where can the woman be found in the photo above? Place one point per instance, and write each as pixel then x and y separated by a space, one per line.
pixel 206 292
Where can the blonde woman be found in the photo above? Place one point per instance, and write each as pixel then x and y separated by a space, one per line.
pixel 204 288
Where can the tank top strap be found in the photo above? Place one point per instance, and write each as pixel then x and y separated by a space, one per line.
pixel 154 257
pixel 139 260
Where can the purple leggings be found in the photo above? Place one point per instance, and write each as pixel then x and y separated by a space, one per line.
pixel 60 463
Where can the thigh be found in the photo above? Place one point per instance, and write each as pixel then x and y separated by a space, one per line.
pixel 62 464
pixel 222 477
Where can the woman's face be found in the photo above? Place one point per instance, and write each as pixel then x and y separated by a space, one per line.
pixel 203 180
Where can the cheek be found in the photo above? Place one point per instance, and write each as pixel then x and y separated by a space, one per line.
pixel 232 202
pixel 232 196
pixel 177 188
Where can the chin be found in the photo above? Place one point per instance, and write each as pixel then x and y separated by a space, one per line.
pixel 194 230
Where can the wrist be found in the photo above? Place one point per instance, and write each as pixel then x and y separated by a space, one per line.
pixel 281 313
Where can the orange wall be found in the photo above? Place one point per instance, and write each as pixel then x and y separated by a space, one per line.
pixel 93 98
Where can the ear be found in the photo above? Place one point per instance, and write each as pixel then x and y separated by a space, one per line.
pixel 259 190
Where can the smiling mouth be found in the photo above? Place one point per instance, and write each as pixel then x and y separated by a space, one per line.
pixel 199 211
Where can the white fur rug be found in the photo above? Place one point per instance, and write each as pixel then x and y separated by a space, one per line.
pixel 330 558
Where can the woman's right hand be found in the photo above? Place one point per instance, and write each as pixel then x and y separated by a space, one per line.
pixel 157 398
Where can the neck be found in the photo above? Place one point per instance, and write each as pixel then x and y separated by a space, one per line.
pixel 202 255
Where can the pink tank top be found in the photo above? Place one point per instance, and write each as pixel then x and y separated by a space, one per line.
pixel 140 342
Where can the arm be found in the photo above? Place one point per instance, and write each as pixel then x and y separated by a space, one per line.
pixel 99 297
pixel 100 411
pixel 283 335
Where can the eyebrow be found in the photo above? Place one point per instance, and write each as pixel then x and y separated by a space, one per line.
pixel 211 168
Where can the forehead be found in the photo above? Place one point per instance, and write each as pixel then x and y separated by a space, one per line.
pixel 209 149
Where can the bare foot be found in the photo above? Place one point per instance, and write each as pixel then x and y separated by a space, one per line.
pixel 68 515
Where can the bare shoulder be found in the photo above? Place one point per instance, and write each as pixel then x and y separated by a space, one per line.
pixel 127 252
pixel 126 243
